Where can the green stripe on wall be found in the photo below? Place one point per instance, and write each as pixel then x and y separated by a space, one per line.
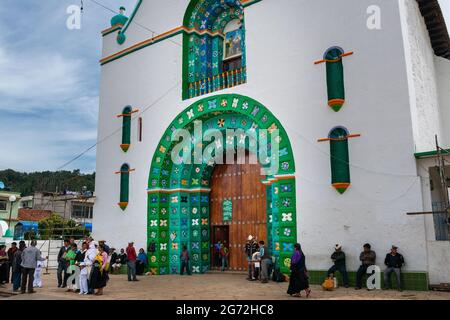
pixel 415 281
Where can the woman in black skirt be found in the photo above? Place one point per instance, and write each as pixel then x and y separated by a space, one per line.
pixel 100 276
pixel 299 277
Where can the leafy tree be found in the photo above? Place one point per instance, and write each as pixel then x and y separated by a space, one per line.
pixel 28 183
pixel 55 227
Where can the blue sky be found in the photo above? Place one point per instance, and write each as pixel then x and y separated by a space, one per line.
pixel 49 83
pixel 49 80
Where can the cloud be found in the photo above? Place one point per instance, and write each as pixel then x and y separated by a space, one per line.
pixel 33 82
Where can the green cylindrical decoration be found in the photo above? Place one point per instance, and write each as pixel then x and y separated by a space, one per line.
pixel 339 156
pixel 126 129
pixel 124 186
pixel 335 78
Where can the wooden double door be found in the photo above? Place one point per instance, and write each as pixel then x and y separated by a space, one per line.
pixel 240 183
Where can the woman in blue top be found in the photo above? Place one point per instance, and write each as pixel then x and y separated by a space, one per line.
pixel 141 262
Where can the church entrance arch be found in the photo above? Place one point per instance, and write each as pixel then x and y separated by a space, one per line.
pixel 183 208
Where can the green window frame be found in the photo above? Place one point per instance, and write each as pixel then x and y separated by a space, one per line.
pixel 124 186
pixel 126 128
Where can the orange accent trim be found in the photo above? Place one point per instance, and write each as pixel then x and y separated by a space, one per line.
pixel 334 102
pixel 129 171
pixel 336 60
pixel 127 114
pixel 334 139
pixel 162 35
pixel 118 26
pixel 123 205
pixel 139 44
pixel 341 185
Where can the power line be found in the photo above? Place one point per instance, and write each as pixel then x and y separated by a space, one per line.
pixel 133 21
pixel 117 130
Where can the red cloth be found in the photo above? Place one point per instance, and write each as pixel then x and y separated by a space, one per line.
pixel 131 253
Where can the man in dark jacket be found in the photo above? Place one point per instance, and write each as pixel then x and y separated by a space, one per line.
pixel 367 258
pixel 250 248
pixel 62 265
pixel 394 262
pixel 10 254
pixel 338 258
pixel 16 267
pixel 123 257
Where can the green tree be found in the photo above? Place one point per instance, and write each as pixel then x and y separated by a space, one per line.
pixel 55 227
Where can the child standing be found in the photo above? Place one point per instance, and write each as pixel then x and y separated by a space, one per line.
pixel 83 278
pixel 37 283
pixel 185 261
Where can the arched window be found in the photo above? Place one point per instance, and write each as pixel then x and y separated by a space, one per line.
pixel 339 157
pixel 335 76
pixel 340 168
pixel 124 186
pixel 214 47
pixel 126 129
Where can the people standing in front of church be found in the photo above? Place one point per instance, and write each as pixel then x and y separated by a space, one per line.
pixel 184 257
pixel 16 266
pixel 30 258
pixel 3 264
pixel 250 248
pixel 10 254
pixel 62 265
pixel 367 258
pixel 131 262
pixel 394 262
pixel 141 262
pixel 217 259
pixel 338 258
pixel 224 253
pixel 266 260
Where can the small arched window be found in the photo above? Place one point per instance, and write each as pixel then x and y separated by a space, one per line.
pixel 126 128
pixel 124 186
pixel 335 76
pixel 340 167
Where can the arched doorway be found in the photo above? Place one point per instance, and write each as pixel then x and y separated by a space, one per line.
pixel 179 193
pixel 238 209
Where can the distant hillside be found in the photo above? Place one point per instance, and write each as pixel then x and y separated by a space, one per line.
pixel 28 183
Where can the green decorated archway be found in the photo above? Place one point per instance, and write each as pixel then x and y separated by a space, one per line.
pixel 178 194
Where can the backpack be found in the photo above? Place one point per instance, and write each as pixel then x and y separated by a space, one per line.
pixel 277 275
pixel 328 284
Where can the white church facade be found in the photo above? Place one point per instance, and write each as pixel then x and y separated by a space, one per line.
pixel 349 95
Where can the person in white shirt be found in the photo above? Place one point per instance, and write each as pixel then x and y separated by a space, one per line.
pixel 37 283
pixel 83 279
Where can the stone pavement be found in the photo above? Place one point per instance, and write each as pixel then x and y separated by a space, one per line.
pixel 214 286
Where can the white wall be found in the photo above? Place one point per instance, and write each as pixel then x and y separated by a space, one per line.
pixel 421 77
pixel 443 81
pixel 284 38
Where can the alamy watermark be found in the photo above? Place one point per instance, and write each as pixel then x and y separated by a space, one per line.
pixel 227 146
pixel 73 21
pixel 374 19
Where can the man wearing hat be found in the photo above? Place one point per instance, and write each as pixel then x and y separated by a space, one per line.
pixel 250 248
pixel 338 258
pixel 394 262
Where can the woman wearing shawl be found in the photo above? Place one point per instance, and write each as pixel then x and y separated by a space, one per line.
pixel 299 278
pixel 99 273
pixel 141 262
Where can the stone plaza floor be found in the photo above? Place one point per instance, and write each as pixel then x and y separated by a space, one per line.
pixel 214 286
